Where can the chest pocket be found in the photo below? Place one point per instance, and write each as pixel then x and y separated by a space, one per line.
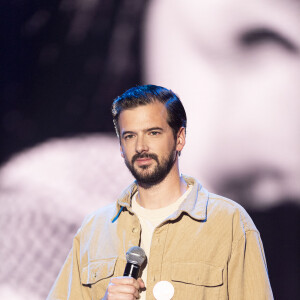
pixel 96 276
pixel 196 280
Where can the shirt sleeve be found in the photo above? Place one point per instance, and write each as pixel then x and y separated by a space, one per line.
pixel 247 269
pixel 68 284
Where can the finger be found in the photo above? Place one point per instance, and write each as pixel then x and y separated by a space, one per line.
pixel 124 289
pixel 120 297
pixel 125 280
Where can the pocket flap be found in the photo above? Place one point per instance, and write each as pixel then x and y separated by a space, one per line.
pixel 197 273
pixel 98 270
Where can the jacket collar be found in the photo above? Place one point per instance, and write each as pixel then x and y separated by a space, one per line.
pixel 194 205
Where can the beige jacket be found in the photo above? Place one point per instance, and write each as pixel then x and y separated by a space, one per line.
pixel 208 249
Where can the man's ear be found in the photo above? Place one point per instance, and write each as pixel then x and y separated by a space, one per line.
pixel 180 142
pixel 121 151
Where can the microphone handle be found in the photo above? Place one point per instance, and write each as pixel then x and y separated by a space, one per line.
pixel 131 270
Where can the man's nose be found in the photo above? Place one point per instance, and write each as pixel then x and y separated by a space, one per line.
pixel 141 145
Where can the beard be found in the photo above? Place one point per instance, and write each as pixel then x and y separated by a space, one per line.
pixel 147 178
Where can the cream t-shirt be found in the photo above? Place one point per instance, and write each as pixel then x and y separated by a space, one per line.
pixel 149 220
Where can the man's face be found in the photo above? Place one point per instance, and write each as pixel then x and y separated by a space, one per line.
pixel 147 143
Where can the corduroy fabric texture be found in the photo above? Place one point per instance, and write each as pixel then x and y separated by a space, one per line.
pixel 208 249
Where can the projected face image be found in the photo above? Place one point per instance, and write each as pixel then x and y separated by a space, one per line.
pixel 236 67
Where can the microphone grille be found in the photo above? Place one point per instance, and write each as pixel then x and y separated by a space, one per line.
pixel 136 255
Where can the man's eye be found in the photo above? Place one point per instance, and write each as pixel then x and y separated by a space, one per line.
pixel 154 133
pixel 129 136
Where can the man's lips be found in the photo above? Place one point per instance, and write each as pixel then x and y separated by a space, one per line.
pixel 144 160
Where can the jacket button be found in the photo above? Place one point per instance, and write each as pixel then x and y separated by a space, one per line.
pixel 134 230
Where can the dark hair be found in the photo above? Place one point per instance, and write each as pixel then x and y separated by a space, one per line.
pixel 146 94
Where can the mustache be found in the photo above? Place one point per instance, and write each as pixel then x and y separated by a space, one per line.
pixel 144 155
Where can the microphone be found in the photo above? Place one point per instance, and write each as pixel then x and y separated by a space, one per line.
pixel 135 257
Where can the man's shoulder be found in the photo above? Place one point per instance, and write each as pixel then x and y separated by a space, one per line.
pixel 100 217
pixel 223 202
pixel 105 218
pixel 223 207
pixel 215 208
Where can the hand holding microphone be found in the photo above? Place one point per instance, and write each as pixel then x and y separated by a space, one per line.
pixel 128 286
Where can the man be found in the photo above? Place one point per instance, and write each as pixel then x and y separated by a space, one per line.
pixel 204 245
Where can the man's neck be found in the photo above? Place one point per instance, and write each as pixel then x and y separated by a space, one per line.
pixel 164 193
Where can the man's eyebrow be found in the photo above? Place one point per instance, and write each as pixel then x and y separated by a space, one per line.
pixel 154 128
pixel 145 130
pixel 127 132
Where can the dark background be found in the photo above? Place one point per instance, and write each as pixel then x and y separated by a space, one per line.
pixel 62 65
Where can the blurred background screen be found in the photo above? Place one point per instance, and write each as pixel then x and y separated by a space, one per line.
pixel 236 67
